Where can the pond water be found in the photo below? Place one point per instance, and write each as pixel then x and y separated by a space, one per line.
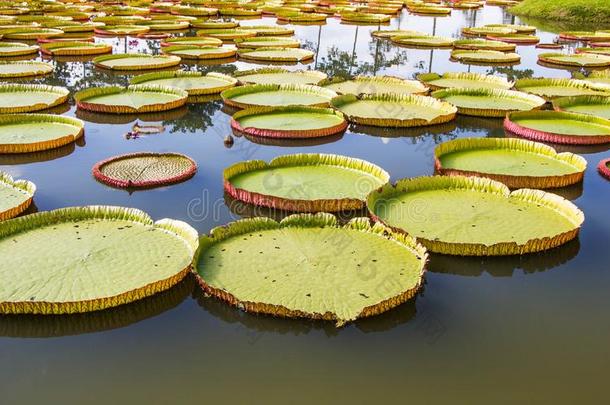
pixel 531 329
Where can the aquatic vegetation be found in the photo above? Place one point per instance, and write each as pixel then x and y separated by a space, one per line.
pixel 133 99
pixel 279 76
pixel 194 83
pixel 24 69
pixel 374 85
pixel 593 105
pixel 262 95
pixel 25 133
pixel 16 196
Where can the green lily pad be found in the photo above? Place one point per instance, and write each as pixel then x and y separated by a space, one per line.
pixel 200 52
pixel 464 80
pixel 515 162
pixel 122 30
pixel 393 33
pixel 364 17
pixel 195 83
pixel 602 50
pixel 17 49
pixel 24 69
pixel 599 77
pixel 193 41
pixel 593 105
pixel 15 196
pixel 279 76
pixel 486 44
pixel 576 59
pixel 489 102
pixel 214 24
pixel 375 85
pixel 593 36
pixel 475 216
pixel 261 95
pixel 136 61
pixel 309 266
pixel 226 34
pixel 31 33
pixel 305 182
pixel 422 41
pixel 523 39
pixel 267 42
pixel 559 127
pixel 23 133
pixel 292 55
pixel 84 248
pixel 519 29
pixel 391 110
pixel 267 30
pixel 553 88
pixel 18 98
pixel 486 30
pixel 74 48
pixel 485 56
pixel 289 122
pixel 133 99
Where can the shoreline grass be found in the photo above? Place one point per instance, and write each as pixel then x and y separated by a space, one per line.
pixel 566 11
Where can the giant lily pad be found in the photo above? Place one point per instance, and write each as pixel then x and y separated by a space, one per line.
pixel 15 196
pixel 393 33
pixel 200 52
pixel 375 85
pixel 17 98
pixel 485 57
pixel 422 41
pixel 604 168
pixel 519 29
pixel 576 59
pixel 24 69
pixel 74 48
pixel 289 122
pixel 521 39
pixel 595 50
pixel 515 162
pixel 85 248
pixel 226 34
pixel 291 55
pixel 392 110
pixel 17 49
pixel 214 24
pixel 464 80
pixel 193 41
pixel 22 133
pixel 279 76
pixel 31 33
pixel 553 88
pixel 489 102
pixel 119 30
pixel 133 99
pixel 597 76
pixel 144 170
pixel 267 42
pixel 593 105
pixel 195 83
pixel 309 266
pixel 593 36
pixel 136 61
pixel 268 30
pixel 260 95
pixel 304 182
pixel 484 31
pixel 474 44
pixel 364 18
pixel 475 216
pixel 559 127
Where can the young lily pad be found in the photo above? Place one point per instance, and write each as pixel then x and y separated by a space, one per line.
pixel 292 122
pixel 195 83
pixel 375 85
pixel 17 49
pixel 473 216
pixel 515 162
pixel 392 110
pixel 74 48
pixel 291 55
pixel 133 99
pixel 200 52
pixel 305 182
pixel 193 41
pixel 559 127
pixel 144 170
pixel 24 133
pixel 553 88
pixel 261 95
pixel 485 56
pixel 593 105
pixel 604 168
pixel 279 76
pixel 109 256
pixel 19 98
pixel 267 42
pixel 576 59
pixel 15 196
pixel 136 61
pixel 464 80
pixel 422 41
pixel 489 102
pixel 24 69
pixel 287 271
pixel 485 44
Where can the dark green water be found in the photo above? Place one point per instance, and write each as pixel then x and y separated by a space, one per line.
pixel 523 330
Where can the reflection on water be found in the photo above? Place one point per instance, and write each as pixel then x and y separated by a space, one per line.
pixel 42 156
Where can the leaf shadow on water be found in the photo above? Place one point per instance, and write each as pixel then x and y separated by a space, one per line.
pixel 504 266
pixel 46 326
pixel 263 323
